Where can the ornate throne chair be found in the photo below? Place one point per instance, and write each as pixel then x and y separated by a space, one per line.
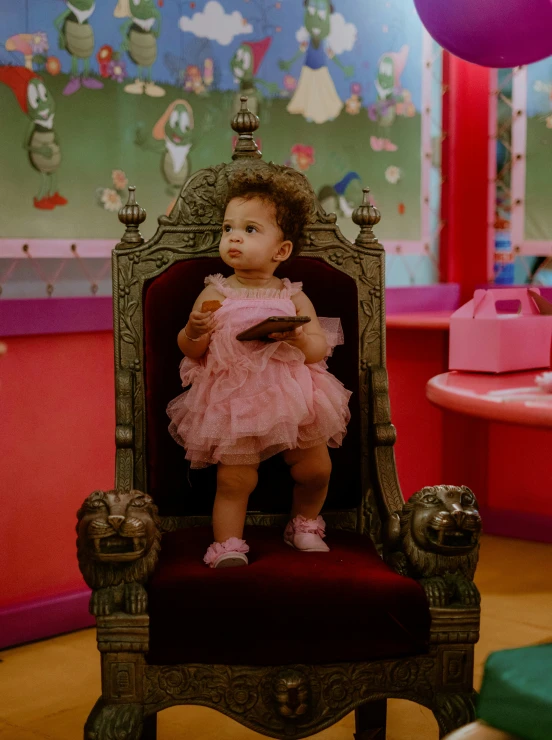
pixel 400 612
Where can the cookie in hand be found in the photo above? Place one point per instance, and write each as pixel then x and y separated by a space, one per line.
pixel 210 306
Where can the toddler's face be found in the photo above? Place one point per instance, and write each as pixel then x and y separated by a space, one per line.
pixel 251 238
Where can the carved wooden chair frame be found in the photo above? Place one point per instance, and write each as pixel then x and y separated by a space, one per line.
pixel 133 691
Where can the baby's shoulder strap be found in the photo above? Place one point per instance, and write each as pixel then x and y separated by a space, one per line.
pixel 293 288
pixel 218 282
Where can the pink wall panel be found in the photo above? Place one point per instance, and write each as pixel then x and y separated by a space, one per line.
pixel 413 357
pixel 56 446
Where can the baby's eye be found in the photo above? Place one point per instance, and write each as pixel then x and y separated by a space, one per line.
pixel 226 228
pixel 250 229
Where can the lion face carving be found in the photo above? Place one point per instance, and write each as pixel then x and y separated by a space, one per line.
pixel 444 519
pixel 441 527
pixel 291 693
pixel 118 537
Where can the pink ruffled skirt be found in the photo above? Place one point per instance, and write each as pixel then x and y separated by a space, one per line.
pixel 264 401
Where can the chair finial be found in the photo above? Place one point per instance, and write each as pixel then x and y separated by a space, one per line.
pixel 366 216
pixel 245 124
pixel 132 215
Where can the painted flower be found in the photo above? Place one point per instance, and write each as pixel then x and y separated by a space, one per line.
pixel 393 174
pixel 401 209
pixel 53 66
pixel 117 70
pixel 356 88
pixel 111 200
pixel 105 54
pixel 39 42
pixel 290 83
pixel 104 57
pixel 353 105
pixel 120 180
pixel 302 157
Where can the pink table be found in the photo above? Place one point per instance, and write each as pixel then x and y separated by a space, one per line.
pixel 510 397
pixel 496 439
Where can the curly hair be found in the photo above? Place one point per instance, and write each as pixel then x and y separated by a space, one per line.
pixel 292 200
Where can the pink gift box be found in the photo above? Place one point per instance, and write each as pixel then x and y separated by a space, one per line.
pixel 500 331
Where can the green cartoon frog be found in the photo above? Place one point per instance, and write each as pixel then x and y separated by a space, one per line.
pixel 76 36
pixel 172 139
pixel 140 33
pixel 41 141
pixel 244 65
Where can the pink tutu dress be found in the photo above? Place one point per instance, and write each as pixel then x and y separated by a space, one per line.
pixel 250 400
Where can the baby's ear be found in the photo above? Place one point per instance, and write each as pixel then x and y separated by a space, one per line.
pixel 284 251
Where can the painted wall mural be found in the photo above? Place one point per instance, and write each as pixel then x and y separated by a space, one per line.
pixel 95 95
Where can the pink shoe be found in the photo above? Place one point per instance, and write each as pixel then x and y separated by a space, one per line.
pixel 227 554
pixel 306 534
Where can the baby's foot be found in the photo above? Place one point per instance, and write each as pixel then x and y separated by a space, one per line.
pixel 227 554
pixel 306 534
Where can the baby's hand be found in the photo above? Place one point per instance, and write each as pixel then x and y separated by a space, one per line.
pixel 200 323
pixel 295 336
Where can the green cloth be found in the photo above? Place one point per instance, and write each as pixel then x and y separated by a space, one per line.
pixel 516 694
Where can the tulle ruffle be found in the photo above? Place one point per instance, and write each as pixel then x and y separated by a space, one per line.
pixel 233 544
pixel 220 283
pixel 300 525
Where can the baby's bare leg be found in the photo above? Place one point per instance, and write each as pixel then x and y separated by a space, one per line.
pixel 310 469
pixel 234 485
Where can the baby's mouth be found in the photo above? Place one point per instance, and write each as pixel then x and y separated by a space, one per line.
pixel 234 252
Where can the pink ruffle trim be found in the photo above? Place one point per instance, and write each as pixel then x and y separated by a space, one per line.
pixel 233 544
pixel 301 525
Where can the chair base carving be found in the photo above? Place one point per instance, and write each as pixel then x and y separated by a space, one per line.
pixel 114 722
pixel 292 701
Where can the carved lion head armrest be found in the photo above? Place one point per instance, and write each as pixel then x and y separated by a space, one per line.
pixel 435 539
pixel 118 540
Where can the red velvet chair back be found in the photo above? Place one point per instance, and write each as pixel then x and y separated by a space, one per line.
pixel 168 300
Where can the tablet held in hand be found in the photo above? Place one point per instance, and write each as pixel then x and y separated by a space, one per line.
pixel 272 325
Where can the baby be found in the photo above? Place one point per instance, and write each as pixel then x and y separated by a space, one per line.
pixel 250 400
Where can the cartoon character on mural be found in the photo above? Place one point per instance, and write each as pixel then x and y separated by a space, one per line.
pixel 392 98
pixel 244 65
pixel 172 139
pixel 41 141
pixel 140 34
pixel 324 36
pixel 342 198
pixel 76 36
pixel 197 82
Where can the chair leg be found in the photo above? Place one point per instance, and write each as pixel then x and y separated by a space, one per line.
pixel 150 728
pixel 371 720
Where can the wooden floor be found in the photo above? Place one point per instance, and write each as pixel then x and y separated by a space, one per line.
pixel 48 688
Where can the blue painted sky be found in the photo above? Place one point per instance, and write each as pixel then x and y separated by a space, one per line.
pixel 382 26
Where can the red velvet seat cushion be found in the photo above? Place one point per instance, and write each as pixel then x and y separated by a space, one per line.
pixel 285 606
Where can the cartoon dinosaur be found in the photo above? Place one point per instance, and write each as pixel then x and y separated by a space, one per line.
pixel 75 34
pixel 41 141
pixel 244 65
pixel 140 33
pixel 172 136
pixel 315 96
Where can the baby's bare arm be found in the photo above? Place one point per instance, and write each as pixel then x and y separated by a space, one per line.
pixel 194 338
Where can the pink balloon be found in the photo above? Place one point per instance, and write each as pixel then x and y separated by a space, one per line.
pixel 492 33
